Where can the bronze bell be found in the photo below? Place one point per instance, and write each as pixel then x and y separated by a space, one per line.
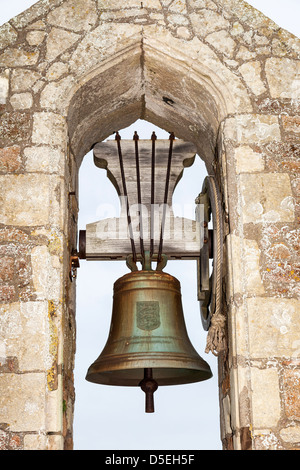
pixel 148 344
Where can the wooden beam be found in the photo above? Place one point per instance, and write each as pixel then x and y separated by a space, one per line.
pixel 110 238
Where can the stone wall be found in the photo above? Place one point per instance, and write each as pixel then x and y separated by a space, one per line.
pixel 71 73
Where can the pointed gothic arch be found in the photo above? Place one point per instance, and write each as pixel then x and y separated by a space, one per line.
pixel 166 86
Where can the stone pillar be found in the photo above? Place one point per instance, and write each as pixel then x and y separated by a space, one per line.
pixel 36 321
pixel 260 377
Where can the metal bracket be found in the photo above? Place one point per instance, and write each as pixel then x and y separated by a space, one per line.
pixel 210 273
pixel 74 264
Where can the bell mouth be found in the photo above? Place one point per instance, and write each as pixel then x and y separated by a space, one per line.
pixel 162 375
pixel 180 369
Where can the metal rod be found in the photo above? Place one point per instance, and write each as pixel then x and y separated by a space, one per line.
pixel 153 138
pixel 172 137
pixel 118 139
pixel 138 179
pixel 149 386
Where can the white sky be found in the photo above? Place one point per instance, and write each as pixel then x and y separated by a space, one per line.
pixel 186 417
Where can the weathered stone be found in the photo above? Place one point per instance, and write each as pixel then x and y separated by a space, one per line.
pixel 227 414
pixel 6 268
pixel 260 39
pixel 45 274
pixel 39 25
pixel 157 17
pixel 202 4
pixel 290 41
pixel 7 35
pixel 291 384
pixel 249 15
pixel 4 86
pixel 267 198
pixel 236 29
pixel 21 100
pixel 24 199
pixel 266 440
pixel 92 48
pixel 7 293
pixel 179 20
pixel 246 275
pixel 245 54
pixel 115 4
pixel 10 441
pixel 278 251
pixel 291 127
pixel 13 235
pixel 49 128
pixel 78 16
pixel 18 323
pixel 248 161
pixel 183 32
pixel 23 273
pixel 23 79
pixel 58 41
pixel 34 38
pixel 14 128
pixel 10 159
pixel 283 77
pixel 56 70
pixel 18 58
pixel 282 277
pixel 55 410
pixel 56 442
pixel 30 15
pixel 22 401
pixel 35 441
pixel 55 96
pixel 253 128
pixel 265 398
pixel 44 159
pixel 273 327
pixel 291 434
pixel 207 21
pixel 178 6
pixel 223 42
pixel 136 14
pixel 251 72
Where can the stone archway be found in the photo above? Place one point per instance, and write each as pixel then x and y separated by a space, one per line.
pixel 222 76
pixel 148 80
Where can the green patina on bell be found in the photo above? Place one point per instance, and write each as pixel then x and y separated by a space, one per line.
pixel 148 344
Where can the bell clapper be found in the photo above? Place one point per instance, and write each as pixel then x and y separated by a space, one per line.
pixel 149 386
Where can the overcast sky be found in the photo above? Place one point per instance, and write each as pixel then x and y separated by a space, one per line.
pixel 186 417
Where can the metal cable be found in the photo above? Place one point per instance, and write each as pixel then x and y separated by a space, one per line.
pixel 118 139
pixel 153 138
pixel 171 138
pixel 138 180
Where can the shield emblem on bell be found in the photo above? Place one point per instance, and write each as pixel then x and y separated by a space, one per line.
pixel 147 315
